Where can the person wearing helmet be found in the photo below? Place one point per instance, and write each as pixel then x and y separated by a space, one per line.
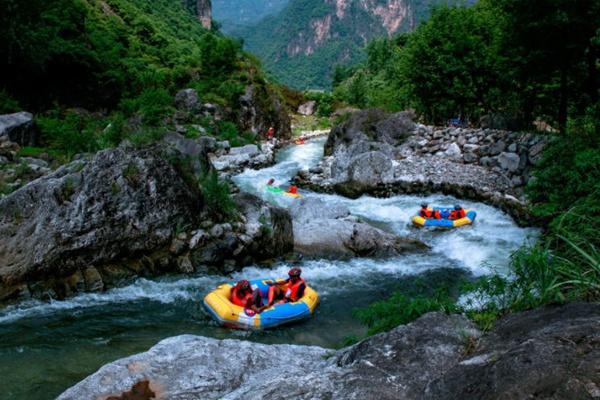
pixel 425 212
pixel 457 213
pixel 290 290
pixel 270 182
pixel 242 295
pixel 293 189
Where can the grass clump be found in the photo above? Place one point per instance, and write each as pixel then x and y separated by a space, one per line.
pixel 217 196
pixel 401 309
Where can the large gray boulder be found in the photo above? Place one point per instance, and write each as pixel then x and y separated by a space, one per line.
pixel 551 353
pixel 374 126
pixel 128 212
pixel 122 203
pixel 308 209
pixel 260 109
pixel 328 230
pixel 19 128
pixel 363 147
pixel 344 238
pixel 363 173
pixel 393 365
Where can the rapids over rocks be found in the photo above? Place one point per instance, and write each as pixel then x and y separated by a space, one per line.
pixel 48 346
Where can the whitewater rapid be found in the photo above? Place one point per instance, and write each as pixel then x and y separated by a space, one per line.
pixel 72 338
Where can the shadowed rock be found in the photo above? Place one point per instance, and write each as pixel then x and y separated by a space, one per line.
pixel 551 353
pixel 328 230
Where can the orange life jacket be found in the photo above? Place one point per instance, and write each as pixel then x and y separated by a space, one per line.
pixel 291 293
pixel 241 301
pixel 457 214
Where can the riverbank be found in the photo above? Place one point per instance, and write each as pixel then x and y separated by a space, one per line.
pixel 52 345
pixel 387 154
pixel 550 350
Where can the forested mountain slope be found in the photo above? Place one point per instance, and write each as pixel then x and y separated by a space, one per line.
pixel 234 14
pixel 302 44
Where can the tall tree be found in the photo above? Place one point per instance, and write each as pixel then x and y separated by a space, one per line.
pixel 552 43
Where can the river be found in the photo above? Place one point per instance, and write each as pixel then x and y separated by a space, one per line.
pixel 46 347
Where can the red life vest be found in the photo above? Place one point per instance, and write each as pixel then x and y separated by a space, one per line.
pixel 457 214
pixel 292 290
pixel 270 133
pixel 293 189
pixel 243 301
pixel 437 215
pixel 426 213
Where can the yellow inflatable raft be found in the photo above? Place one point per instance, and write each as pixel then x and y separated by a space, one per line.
pixel 218 304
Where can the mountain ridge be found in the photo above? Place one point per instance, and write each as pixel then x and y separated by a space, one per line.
pixel 301 45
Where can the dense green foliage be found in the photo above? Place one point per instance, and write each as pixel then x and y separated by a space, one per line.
pixel 122 59
pixel 521 60
pixel 234 14
pixel 400 309
pixel 286 42
pixel 435 290
pixel 565 264
pixel 217 196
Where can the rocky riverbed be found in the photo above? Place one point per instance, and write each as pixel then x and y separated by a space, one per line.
pixel 127 212
pixel 384 154
pixel 550 353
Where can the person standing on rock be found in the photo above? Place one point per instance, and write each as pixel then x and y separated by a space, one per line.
pixel 270 133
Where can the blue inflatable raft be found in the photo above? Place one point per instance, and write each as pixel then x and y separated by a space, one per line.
pixel 445 222
pixel 218 304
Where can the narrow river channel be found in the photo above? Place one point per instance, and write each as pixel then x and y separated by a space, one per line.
pixel 47 347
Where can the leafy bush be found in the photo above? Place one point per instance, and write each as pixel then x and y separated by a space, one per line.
pixel 217 196
pixel 473 61
pixel 152 105
pixel 74 133
pixel 565 264
pixel 324 102
pixel 401 309
pixel 126 58
pixel 7 103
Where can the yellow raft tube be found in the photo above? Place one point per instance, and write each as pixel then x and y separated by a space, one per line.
pixel 218 304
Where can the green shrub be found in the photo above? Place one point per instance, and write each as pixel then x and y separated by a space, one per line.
pixel 153 105
pixel 401 309
pixel 8 105
pixel 217 196
pixel 72 133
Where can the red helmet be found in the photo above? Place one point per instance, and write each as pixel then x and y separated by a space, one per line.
pixel 294 272
pixel 243 285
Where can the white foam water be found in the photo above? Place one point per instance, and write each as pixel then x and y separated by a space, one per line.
pixel 488 242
